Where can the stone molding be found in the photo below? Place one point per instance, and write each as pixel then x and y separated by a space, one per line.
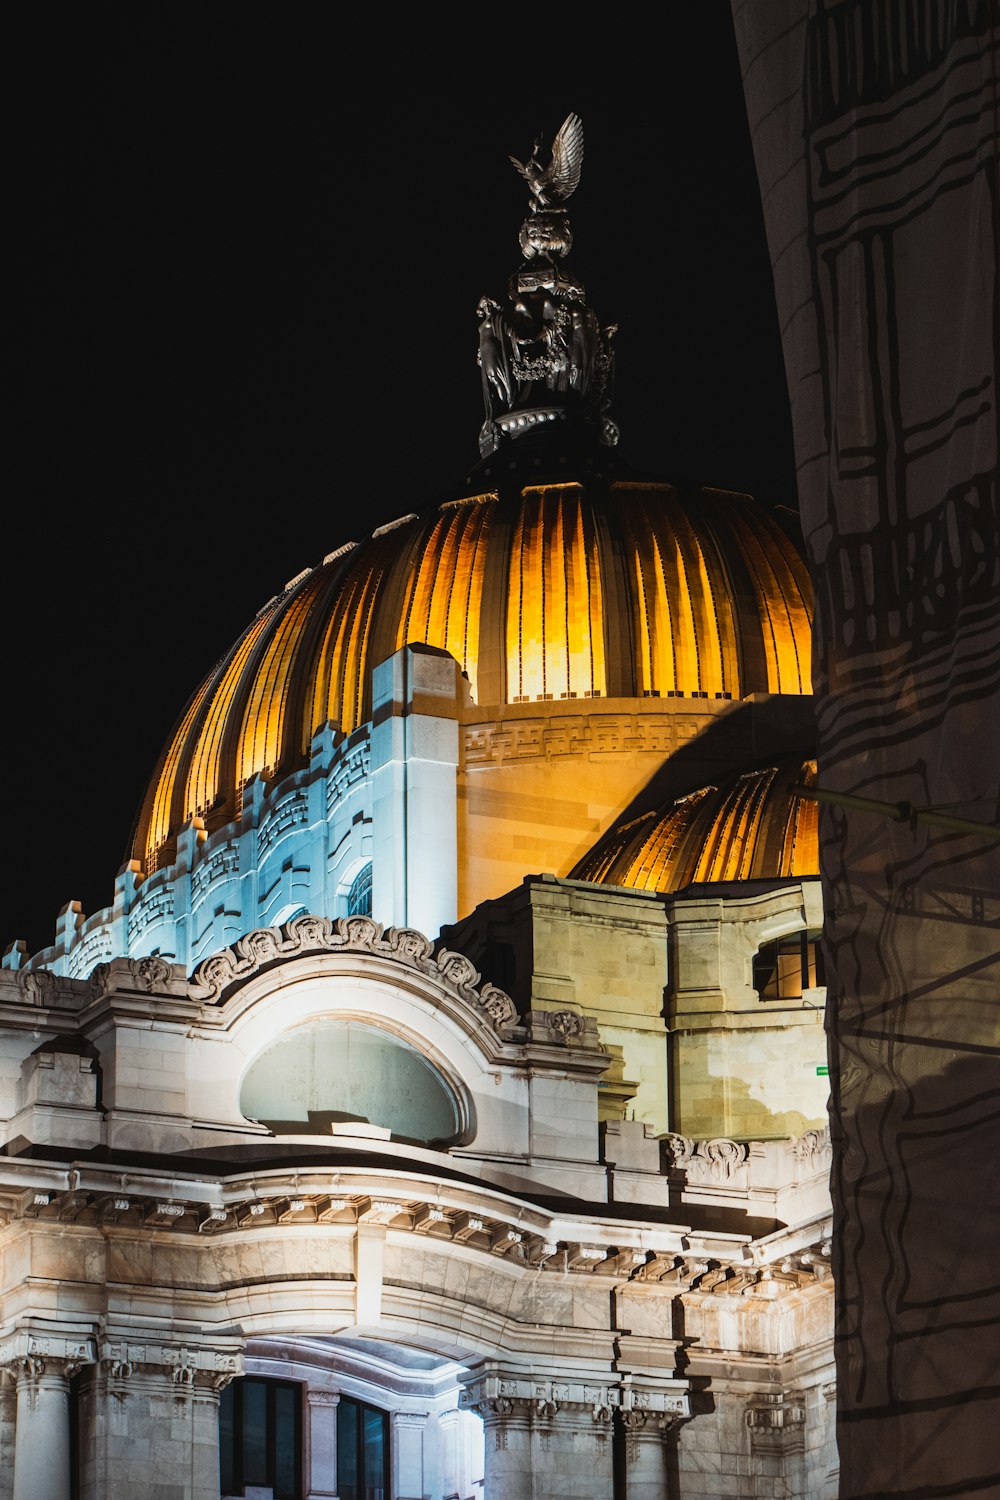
pixel 590 730
pixel 316 1397
pixel 776 1422
pixel 29 1358
pixel 502 1398
pixel 620 1253
pixel 217 975
pixel 744 1164
pixel 184 1366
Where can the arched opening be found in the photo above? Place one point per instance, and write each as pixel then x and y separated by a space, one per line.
pixel 359 894
pixel 333 1072
pixel 362 1418
pixel 787 967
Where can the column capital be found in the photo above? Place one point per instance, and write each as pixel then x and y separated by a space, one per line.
pixel 659 1404
pixel 322 1398
pixel 31 1354
pixel 776 1422
pixel 409 1418
pixel 185 1365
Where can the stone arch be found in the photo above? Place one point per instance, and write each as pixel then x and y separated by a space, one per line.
pixel 271 984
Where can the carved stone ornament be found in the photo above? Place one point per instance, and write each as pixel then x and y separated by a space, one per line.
pixel 776 1423
pixel 679 1149
pixel 37 986
pixel 184 1367
pixel 312 934
pixel 562 1025
pixel 150 973
pixel 814 1151
pixel 542 353
pixel 716 1161
pixel 28 1359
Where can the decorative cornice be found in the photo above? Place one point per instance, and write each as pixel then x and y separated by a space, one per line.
pixel 500 1398
pixel 217 975
pixel 776 1422
pixel 185 1366
pixel 30 1357
pixel 37 986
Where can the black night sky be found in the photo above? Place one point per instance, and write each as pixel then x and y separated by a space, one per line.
pixel 248 247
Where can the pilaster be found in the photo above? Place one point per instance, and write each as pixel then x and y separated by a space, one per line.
pixel 41 1365
pixel 321 1444
pixel 407 1449
pixel 414 763
pixel 554 1439
pixel 149 1416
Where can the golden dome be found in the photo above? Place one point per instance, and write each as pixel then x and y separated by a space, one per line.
pixel 607 587
pixel 753 827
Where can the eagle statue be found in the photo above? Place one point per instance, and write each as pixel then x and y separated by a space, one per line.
pixel 551 185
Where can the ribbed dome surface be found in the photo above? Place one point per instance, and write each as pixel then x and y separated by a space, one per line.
pixel 755 826
pixel 603 588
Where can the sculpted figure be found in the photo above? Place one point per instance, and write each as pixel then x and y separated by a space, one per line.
pixel 543 348
pixel 552 184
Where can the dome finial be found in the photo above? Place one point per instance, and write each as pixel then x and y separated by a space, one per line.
pixel 543 355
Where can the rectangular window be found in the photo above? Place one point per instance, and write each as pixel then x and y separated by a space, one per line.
pixel 784 969
pixel 362 1451
pixel 260 1437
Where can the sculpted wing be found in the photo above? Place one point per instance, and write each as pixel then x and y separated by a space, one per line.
pixel 567 159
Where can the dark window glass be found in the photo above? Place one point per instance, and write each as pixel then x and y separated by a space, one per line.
pixel 255 1432
pixel 359 897
pixel 286 1451
pixel 362 1451
pixel 347 1450
pixel 782 970
pixel 374 1426
pixel 260 1437
pixel 227 1440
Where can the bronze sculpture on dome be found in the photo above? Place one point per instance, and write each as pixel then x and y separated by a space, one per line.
pixel 543 355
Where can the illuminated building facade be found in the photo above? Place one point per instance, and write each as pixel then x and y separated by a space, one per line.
pixel 439 1108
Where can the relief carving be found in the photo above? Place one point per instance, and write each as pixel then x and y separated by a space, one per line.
pixel 310 933
pixel 37 986
pixel 151 973
pixel 716 1161
pixel 562 1025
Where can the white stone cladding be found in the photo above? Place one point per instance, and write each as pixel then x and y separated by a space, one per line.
pixel 543 1306
pixel 610 1281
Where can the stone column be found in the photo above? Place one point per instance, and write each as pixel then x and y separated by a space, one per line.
pixel 8 1410
pixel 41 1443
pixel 321 1444
pixel 460 1452
pixel 150 1416
pixel 407 1450
pixel 647 1436
pixel 885 277
pixel 545 1439
pixel 41 1364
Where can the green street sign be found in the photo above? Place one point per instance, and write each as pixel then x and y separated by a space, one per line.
pixel 822 1072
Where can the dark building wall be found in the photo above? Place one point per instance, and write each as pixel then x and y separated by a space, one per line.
pixel 875 131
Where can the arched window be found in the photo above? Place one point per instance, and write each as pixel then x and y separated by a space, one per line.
pixel 339 1071
pixel 260 1437
pixel 359 897
pixel 785 968
pixel 362 1451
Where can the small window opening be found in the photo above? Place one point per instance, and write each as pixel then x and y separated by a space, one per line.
pixel 786 968
pixel 359 897
pixel 260 1437
pixel 362 1451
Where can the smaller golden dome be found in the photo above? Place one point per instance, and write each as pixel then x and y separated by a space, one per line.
pixel 754 826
